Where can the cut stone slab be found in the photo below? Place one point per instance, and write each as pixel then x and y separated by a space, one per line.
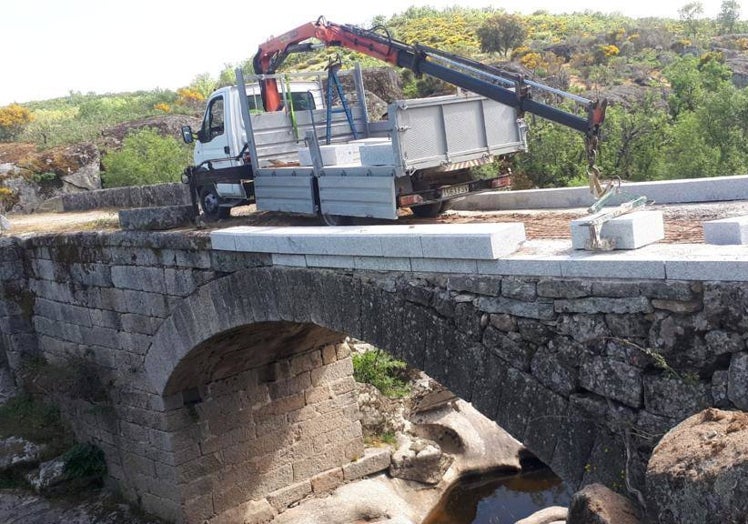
pixel 332 155
pixel 726 231
pixel 377 154
pixel 630 231
pixel 156 218
pixel 434 241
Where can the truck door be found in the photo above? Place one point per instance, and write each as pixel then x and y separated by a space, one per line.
pixel 213 142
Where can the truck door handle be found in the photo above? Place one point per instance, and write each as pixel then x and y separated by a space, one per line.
pixel 226 149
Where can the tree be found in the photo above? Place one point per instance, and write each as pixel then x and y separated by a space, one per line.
pixel 13 119
pixel 203 84
pixel 689 14
pixel 227 77
pixel 728 16
pixel 501 33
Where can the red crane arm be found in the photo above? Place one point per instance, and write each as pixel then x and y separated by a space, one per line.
pixel 272 53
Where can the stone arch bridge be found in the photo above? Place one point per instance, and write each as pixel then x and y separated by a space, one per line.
pixel 228 392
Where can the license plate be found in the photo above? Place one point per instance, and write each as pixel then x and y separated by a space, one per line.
pixel 455 190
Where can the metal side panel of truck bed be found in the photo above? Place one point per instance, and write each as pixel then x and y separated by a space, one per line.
pixel 438 131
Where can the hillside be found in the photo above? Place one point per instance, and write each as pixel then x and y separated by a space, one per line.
pixel 679 103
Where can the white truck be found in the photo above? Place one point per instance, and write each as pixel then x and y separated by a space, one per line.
pixel 302 156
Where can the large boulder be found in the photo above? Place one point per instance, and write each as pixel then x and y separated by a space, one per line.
pixel 596 504
pixel 699 470
pixel 421 460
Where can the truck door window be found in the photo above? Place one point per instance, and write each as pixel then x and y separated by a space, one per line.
pixel 213 123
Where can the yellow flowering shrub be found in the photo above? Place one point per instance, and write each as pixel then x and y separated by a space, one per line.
pixel 13 119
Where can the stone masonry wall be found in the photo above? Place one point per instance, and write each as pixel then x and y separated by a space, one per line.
pixel 586 371
pixel 266 430
pixel 583 371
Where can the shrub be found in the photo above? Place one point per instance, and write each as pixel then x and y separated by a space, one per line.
pixel 381 371
pixel 13 119
pixel 84 460
pixel 145 158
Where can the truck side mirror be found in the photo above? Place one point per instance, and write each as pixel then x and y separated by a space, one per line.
pixel 187 134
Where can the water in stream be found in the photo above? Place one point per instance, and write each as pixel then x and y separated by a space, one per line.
pixel 500 498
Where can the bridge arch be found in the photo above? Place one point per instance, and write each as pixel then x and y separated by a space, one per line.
pixel 253 333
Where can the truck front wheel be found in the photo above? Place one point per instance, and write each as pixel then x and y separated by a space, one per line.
pixel 428 210
pixel 336 220
pixel 210 202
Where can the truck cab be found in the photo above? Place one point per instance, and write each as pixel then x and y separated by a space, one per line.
pixel 220 157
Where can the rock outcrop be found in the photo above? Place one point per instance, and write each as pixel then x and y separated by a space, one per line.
pixel 596 504
pixel 166 125
pixel 16 451
pixel 32 177
pixel 699 470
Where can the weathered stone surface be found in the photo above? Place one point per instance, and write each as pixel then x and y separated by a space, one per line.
pixel 537 309
pixel 519 289
pixel 582 328
pixel 720 342
pixel 677 306
pixel 533 331
pixel 49 474
pixel 596 504
pixel 697 473
pixel 503 322
pixel 612 379
pixel 156 218
pixel 373 461
pixel 15 451
pixel 628 326
pixel 615 288
pixel 737 388
pixel 674 397
pixel 420 460
pixel 479 285
pixel 554 288
pixel 327 480
pixel 284 497
pixel 720 380
pixel 508 347
pixel 546 516
pixel 630 352
pixel 725 306
pixel 554 372
pixel 594 305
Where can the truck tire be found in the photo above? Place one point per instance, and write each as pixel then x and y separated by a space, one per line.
pixel 428 210
pixel 210 204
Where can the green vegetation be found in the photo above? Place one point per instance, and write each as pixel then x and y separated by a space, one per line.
pixel 381 371
pixel 84 461
pixel 37 421
pixel 675 111
pixel 145 158
pixel 387 438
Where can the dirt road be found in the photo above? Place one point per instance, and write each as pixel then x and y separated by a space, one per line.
pixel 682 222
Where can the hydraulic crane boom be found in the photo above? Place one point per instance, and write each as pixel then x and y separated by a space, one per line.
pixel 491 82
